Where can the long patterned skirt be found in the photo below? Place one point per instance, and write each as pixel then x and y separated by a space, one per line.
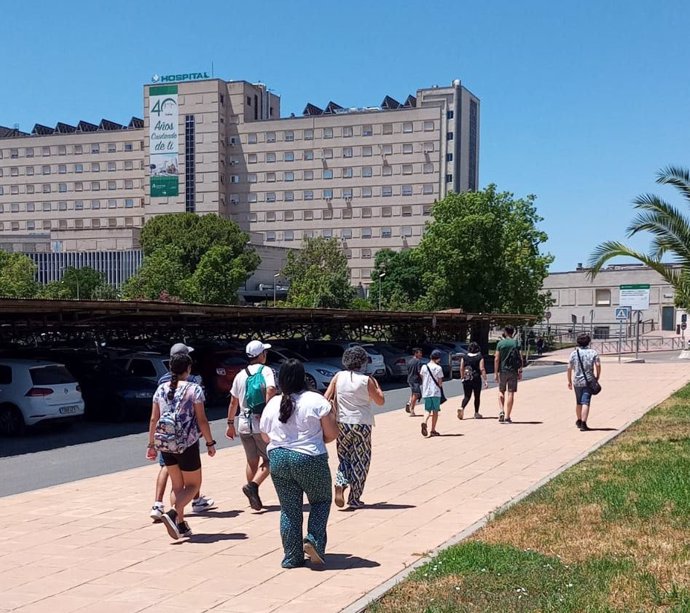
pixel 354 455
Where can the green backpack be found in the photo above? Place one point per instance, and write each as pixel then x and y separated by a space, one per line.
pixel 255 393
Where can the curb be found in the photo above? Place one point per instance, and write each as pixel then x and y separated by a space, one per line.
pixel 361 603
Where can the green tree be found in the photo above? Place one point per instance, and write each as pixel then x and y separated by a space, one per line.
pixel 670 230
pixel 482 253
pixel 17 276
pixel 84 283
pixel 401 287
pixel 319 275
pixel 194 257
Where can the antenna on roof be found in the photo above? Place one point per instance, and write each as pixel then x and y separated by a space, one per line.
pixel 16 126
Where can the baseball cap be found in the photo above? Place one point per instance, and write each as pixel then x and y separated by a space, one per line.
pixel 256 348
pixel 180 348
pixel 435 354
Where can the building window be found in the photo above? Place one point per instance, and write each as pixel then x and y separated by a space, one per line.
pixel 347 132
pixel 407 169
pixel 428 188
pixel 62 169
pixel 602 297
pixel 288 235
pixel 129 147
pixel 347 214
pixel 46 188
pixel 251 178
pixel 367 171
pixel 308 195
pixel 367 151
pixel 388 128
pixel 328 194
pixel 309 135
pixel 95 167
pixel 327 173
pixel 30 225
pixel 289 196
pixel 474 135
pixel 450 115
pixel 270 157
pixel 29 171
pixel 406 190
pixel 367 130
pixel 449 135
pixel 190 164
pixel 289 216
pixel 449 178
pixel 407 127
pixel 95 204
pixel 111 148
pixel 129 184
pixel 406 231
pixel 288 176
pixel 112 185
pixel 252 158
pixel 387 170
pixel 428 126
pixel 270 197
pixel 386 232
pixel 289 156
pixel 308 215
pixel 112 203
pixel 46 170
pixel 347 152
pixel 387 149
pixel 95 148
pixel 428 168
pixel 29 189
pixel 270 216
pixel 270 177
pixel 270 237
pixel 14 171
pixel 251 197
pixel 327 154
pixel 14 189
pixel 112 167
pixel 78 149
pixel 347 173
pixel 129 203
pixel 387 211
pixel 386 191
pixel 308 175
pixel 62 187
pixel 347 193
pixel 289 136
pixel 407 148
pixel 328 132
pixel 308 154
pixel 426 210
pixel 46 152
pixel 14 207
pixel 79 168
pixel 346 233
pixel 407 211
pixel 328 214
pixel 251 138
pixel 366 192
pixel 270 137
pixel 449 157
pixel 366 232
pixel 30 207
pixel 29 152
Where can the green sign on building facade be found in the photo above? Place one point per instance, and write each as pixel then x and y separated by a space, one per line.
pixel 163 142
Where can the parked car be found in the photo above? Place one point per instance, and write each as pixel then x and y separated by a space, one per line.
pixel 331 353
pixel 147 364
pixel 396 359
pixel 219 370
pixel 33 391
pixel 457 351
pixel 318 374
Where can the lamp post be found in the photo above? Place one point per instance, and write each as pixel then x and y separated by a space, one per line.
pixel 381 276
pixel 275 282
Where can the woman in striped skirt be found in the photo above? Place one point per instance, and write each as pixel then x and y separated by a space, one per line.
pixel 353 393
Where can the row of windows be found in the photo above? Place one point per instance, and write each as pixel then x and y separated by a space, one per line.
pixel 271 157
pixel 347 172
pixel 93 148
pixel 288 136
pixel 344 234
pixel 347 213
pixel 386 191
pixel 63 169
pixel 62 224
pixel 65 205
pixel 78 186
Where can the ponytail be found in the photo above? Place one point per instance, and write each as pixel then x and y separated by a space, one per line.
pixel 173 386
pixel 287 407
pixel 292 381
pixel 179 364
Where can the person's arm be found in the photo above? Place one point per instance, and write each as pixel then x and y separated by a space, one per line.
pixel 266 438
pixel 330 392
pixel 270 392
pixel 232 413
pixel 597 368
pixel 570 376
pixel 482 369
pixel 329 426
pixel 497 363
pixel 205 428
pixel 462 367
pixel 375 391
pixel 151 453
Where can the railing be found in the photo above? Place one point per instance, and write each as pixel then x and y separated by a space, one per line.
pixel 629 345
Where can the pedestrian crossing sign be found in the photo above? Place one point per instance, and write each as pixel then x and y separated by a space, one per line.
pixel 622 313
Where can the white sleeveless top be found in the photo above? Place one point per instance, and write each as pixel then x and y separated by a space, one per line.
pixel 352 397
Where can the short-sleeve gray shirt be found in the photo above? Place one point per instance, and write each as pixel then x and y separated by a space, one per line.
pixel 589 358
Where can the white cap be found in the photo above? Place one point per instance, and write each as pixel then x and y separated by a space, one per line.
pixel 256 348
pixel 180 348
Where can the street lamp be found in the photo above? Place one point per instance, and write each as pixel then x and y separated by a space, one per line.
pixel 275 282
pixel 381 276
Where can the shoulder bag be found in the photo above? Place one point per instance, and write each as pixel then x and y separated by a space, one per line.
pixel 593 386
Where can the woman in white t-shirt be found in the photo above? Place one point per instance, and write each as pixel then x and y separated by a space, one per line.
pixel 297 425
pixel 353 393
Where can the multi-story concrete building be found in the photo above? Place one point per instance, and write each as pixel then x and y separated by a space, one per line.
pixel 367 176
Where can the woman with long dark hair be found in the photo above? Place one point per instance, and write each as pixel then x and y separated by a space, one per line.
pixel 178 420
pixel 297 425
pixel 473 375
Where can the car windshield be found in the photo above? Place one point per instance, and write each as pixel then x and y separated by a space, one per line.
pixel 291 355
pixel 51 375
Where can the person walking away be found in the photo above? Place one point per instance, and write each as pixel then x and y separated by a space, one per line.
pixel 352 392
pixel 252 388
pixel 414 380
pixel 296 427
pixel 586 365
pixel 432 390
pixel 200 503
pixel 473 374
pixel 508 371
pixel 178 420
pixel 540 345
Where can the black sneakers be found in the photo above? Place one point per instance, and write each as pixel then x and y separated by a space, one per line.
pixel 578 423
pixel 501 417
pixel 184 529
pixel 584 427
pixel 170 522
pixel 251 491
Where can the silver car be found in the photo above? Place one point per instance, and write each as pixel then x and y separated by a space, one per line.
pixel 318 374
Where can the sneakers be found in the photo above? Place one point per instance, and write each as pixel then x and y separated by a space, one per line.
pixel 434 433
pixel 578 423
pixel 407 407
pixel 584 427
pixel 478 416
pixel 425 431
pixel 157 511
pixel 508 420
pixel 339 496
pixel 251 491
pixel 169 520
pixel 501 417
pixel 202 503
pixel 184 529
pixel 461 413
pixel 311 553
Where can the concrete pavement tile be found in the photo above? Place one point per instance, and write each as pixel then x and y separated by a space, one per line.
pixel 58 604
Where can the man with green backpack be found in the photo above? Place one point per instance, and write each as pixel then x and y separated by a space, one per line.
pixel 252 388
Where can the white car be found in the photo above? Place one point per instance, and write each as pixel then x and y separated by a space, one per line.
pixel 33 391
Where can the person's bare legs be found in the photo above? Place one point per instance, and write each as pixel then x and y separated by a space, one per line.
pixel 185 486
pixel 509 403
pixel 414 399
pixel 578 412
pixel 257 472
pixel 585 413
pixel 161 483
pixel 434 420
pixel 501 401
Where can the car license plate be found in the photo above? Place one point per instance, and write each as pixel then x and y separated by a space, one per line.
pixel 69 410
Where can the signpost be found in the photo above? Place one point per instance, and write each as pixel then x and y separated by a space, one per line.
pixel 635 296
pixel 622 314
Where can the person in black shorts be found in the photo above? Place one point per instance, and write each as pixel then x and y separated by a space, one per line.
pixel 473 374
pixel 414 380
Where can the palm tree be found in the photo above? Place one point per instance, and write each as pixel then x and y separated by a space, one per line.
pixel 671 236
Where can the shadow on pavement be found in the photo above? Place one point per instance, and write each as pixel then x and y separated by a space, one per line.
pixel 344 561
pixel 389 506
pixel 215 538
pixel 214 513
pixel 527 423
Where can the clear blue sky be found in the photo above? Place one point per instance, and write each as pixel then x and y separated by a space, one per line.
pixel 581 101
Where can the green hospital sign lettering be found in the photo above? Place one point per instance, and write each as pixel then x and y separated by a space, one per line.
pixel 176 78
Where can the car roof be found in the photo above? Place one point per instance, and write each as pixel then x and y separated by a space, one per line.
pixel 25 362
pixel 144 354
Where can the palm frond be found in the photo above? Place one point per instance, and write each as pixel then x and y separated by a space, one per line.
pixel 671 229
pixel 678 177
pixel 612 249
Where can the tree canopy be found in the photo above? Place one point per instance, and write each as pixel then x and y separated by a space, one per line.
pixel 199 258
pixel 84 283
pixel 670 230
pixel 319 275
pixel 17 276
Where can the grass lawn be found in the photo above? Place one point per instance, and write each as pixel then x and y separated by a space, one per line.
pixel 610 534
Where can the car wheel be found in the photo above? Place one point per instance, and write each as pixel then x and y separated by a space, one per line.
pixel 11 421
pixel 311 382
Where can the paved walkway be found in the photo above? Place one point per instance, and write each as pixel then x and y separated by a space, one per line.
pixel 88 545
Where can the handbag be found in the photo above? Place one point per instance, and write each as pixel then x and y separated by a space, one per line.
pixel 443 395
pixel 593 386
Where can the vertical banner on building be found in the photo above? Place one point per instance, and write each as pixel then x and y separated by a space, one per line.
pixel 163 141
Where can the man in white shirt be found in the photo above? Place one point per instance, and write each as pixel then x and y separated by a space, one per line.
pixel 244 414
pixel 432 391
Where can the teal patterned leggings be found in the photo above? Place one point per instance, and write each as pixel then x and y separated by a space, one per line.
pixel 295 474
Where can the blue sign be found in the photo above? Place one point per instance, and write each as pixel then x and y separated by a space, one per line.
pixel 622 313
